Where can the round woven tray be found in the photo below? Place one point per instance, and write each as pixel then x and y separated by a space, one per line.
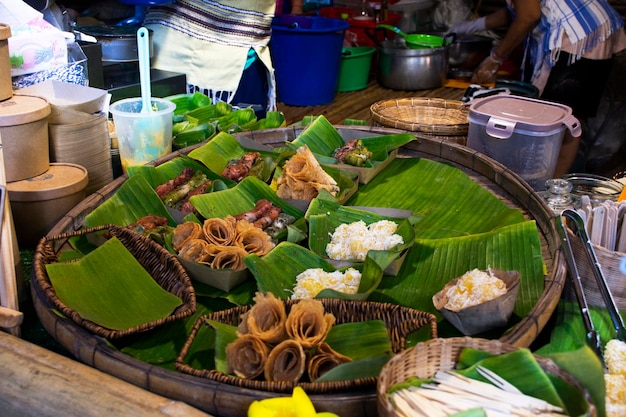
pixel 426 358
pixel 421 114
pixel 224 400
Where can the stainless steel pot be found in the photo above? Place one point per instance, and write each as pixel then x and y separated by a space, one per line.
pixel 403 68
pixel 466 52
pixel 119 43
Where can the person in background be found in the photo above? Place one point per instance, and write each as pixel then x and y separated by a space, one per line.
pixel 568 53
pixel 213 42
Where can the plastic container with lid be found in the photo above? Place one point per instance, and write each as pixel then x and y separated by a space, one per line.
pixel 24 133
pixel 39 203
pixel 522 133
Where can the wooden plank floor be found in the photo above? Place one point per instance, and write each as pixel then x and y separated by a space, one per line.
pixel 356 104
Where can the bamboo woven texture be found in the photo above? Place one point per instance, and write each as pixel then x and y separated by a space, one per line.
pixel 160 264
pixel 425 359
pixel 610 263
pixel 421 114
pixel 400 322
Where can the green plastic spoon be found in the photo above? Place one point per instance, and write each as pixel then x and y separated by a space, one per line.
pixel 416 40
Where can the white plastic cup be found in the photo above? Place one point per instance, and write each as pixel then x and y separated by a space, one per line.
pixel 142 137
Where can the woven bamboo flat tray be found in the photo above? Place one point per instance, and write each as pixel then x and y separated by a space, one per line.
pixel 226 401
pixel 421 114
pixel 400 322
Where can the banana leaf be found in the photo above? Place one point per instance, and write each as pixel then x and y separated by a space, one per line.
pixel 191 134
pixel 532 381
pixel 133 200
pixel 242 198
pixel 217 153
pixel 276 272
pixel 449 203
pixel 156 175
pixel 116 295
pixel 234 121
pixel 272 120
pixel 323 139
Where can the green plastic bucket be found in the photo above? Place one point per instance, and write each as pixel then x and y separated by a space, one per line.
pixel 355 68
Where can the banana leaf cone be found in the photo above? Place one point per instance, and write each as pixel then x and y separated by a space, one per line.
pixel 485 316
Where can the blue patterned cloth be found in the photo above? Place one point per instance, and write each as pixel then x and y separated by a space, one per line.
pixel 585 22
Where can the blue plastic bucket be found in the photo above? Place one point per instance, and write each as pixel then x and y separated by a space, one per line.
pixel 306 53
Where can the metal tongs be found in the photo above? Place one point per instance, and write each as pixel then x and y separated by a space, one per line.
pixel 593 338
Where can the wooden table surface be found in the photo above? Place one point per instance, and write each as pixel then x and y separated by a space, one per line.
pixel 356 104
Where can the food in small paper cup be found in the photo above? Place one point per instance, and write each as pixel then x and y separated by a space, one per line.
pixel 479 300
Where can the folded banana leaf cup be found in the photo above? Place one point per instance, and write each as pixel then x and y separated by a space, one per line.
pixel 220 150
pixel 222 279
pixel 325 216
pixel 323 139
pixel 347 181
pixel 482 317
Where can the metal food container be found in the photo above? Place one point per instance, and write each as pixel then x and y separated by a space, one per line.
pixel 403 68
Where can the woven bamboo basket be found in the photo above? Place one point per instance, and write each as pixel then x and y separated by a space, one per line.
pixel 432 116
pixel 610 263
pixel 425 359
pixel 160 264
pixel 400 322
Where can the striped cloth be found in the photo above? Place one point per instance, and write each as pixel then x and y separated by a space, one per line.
pixel 586 23
pixel 210 41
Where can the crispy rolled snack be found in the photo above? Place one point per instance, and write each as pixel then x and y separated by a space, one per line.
pixel 303 177
pixel 252 239
pixel 265 319
pixel 184 232
pixel 307 322
pixel 324 359
pixel 220 231
pixel 246 356
pixel 194 250
pixel 286 362
pixel 225 257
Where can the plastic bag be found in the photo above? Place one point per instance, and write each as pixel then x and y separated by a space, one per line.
pixel 449 12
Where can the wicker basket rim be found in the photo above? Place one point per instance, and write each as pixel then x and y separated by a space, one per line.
pixel 423 318
pixel 389 113
pixel 444 347
pixel 44 254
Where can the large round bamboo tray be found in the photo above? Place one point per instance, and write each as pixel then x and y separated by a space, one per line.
pixel 424 359
pixel 226 401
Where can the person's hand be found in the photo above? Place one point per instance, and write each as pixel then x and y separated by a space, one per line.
pixel 468 27
pixel 487 71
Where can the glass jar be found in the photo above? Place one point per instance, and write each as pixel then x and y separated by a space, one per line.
pixel 596 187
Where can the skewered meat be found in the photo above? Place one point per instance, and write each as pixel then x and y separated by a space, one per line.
pixel 169 186
pixel 237 170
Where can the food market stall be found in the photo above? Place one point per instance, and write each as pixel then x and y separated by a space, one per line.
pixel 501 186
